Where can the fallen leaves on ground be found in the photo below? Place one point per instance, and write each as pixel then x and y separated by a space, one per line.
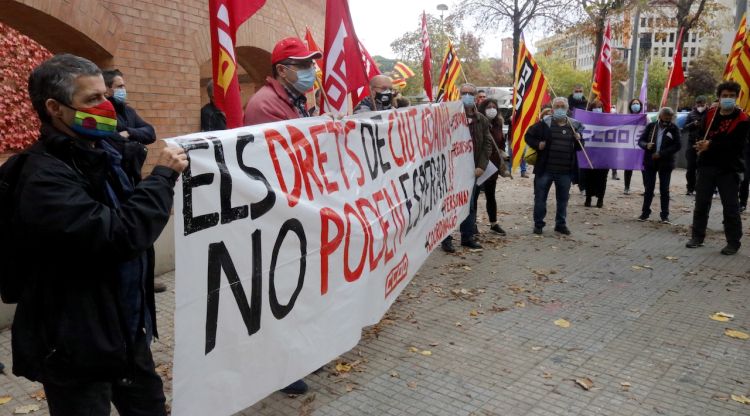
pixel 5 399
pixel 24 410
pixel 562 323
pixel 520 304
pixel 343 367
pixel 395 374
pixel 722 317
pixel 426 353
pixel 585 383
pixel 306 409
pixel 741 399
pixel 164 371
pixel 536 348
pixel 736 334
pixel 39 395
pixel 547 375
pixel 671 258
pixel 625 385
pixel 411 384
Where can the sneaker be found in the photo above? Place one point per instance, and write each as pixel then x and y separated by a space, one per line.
pixel 524 175
pixel 643 218
pixel 617 178
pixel 471 244
pixel 665 220
pixel 562 230
pixel 599 202
pixel 694 243
pixel 496 228
pixel 743 208
pixel 626 191
pixel 730 250
pixel 538 230
pixel 296 388
pixel 447 247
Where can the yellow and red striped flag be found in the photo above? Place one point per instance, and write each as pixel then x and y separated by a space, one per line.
pixel 741 74
pixel 734 53
pixel 447 89
pixel 404 70
pixel 529 92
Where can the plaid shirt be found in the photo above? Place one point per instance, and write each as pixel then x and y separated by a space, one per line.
pixel 298 101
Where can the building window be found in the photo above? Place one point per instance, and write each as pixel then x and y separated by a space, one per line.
pixel 651 21
pixel 694 36
pixel 671 52
pixel 643 21
pixel 663 52
pixel 692 51
pixel 671 38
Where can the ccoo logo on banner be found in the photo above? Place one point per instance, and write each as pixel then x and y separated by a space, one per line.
pixel 293 236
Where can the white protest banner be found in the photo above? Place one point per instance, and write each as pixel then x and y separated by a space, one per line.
pixel 293 236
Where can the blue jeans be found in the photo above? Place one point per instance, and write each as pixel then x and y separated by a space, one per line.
pixel 510 160
pixel 542 185
pixel 467 225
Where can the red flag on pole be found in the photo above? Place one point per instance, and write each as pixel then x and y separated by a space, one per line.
pixel 427 58
pixel 602 86
pixel 344 71
pixel 676 75
pixel 225 17
pixel 371 69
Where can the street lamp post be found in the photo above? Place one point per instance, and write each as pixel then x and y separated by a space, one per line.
pixel 442 8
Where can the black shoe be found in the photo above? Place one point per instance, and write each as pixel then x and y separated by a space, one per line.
pixel 599 202
pixel 296 388
pixel 496 228
pixel 626 191
pixel 730 250
pixel 665 220
pixel 689 193
pixel 617 178
pixel 471 244
pixel 694 243
pixel 447 247
pixel 159 287
pixel 743 208
pixel 2 368
pixel 562 230
pixel 538 230
pixel 643 217
pixel 588 202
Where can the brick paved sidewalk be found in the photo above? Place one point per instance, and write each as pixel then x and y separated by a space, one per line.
pixel 637 300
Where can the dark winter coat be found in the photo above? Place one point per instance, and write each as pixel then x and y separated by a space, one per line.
pixel 128 120
pixel 728 137
pixel 541 132
pixel 670 145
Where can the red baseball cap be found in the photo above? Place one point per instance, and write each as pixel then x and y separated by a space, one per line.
pixel 292 48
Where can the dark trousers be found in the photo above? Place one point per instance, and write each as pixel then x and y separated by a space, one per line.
pixel 628 178
pixel 710 178
pixel 488 187
pixel 692 159
pixel 596 182
pixel 664 172
pixel 542 185
pixel 141 396
pixel 467 225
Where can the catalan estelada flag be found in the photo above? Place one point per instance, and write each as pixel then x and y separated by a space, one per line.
pixel 529 92
pixel 403 70
pixel 447 89
pixel 741 74
pixel 734 53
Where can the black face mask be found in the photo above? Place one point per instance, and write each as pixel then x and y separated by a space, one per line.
pixel 664 124
pixel 384 98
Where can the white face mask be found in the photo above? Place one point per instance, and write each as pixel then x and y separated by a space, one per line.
pixel 491 113
pixel 700 108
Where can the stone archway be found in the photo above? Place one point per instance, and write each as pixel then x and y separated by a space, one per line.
pixel 253 66
pixel 84 27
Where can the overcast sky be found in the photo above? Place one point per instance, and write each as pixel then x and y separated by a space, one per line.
pixel 380 22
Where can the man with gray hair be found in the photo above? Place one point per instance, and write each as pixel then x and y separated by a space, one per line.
pixel 556 139
pixel 661 142
pixel 82 232
pixel 382 89
pixel 479 127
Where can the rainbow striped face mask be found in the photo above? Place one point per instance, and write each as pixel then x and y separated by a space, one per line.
pixel 99 121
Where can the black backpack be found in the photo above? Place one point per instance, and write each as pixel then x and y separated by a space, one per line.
pixel 11 283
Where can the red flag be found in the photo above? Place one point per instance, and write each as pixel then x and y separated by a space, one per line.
pixel 676 75
pixel 602 86
pixel 371 68
pixel 427 58
pixel 225 17
pixel 313 46
pixel 344 71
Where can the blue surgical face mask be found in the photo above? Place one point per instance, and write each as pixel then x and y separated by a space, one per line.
pixel 468 100
pixel 728 103
pixel 578 95
pixel 559 113
pixel 305 80
pixel 120 95
pixel 597 110
pixel 636 108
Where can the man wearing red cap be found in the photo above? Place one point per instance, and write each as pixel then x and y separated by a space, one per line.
pixel 283 96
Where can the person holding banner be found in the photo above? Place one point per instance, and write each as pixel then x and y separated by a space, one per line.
pixel 720 150
pixel 283 96
pixel 556 140
pixel 661 142
pixel 85 316
pixel 479 127
pixel 596 179
pixel 693 125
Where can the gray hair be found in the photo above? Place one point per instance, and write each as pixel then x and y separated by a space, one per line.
pixel 55 78
pixel 560 100
pixel 666 111
pixel 470 85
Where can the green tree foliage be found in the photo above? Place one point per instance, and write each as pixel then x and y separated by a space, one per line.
pixel 704 75
pixel 561 75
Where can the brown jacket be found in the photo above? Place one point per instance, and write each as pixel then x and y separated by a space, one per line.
pixel 479 127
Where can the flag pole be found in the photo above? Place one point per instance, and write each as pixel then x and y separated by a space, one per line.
pixel 583 149
pixel 294 26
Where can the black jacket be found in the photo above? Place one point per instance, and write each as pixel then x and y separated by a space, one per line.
pixel 68 324
pixel 728 137
pixel 573 103
pixel 128 120
pixel 670 145
pixel 212 118
pixel 541 132
pixel 694 125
